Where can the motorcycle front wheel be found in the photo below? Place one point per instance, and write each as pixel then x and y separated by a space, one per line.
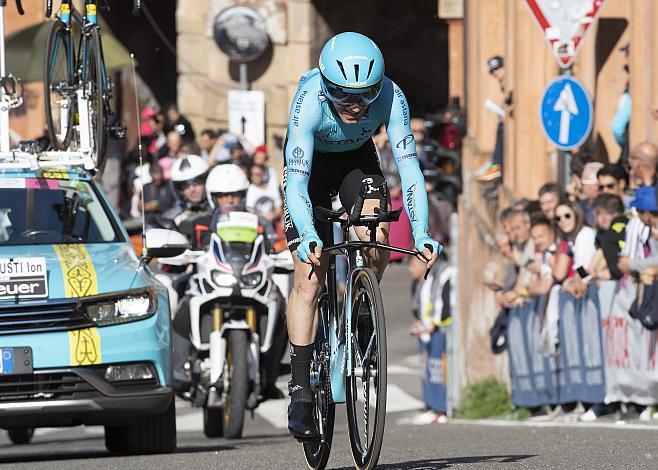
pixel 236 383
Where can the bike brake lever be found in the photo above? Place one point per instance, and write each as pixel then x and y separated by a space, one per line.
pixel 310 275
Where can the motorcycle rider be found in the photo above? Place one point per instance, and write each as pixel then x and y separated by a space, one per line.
pixel 226 189
pixel 188 176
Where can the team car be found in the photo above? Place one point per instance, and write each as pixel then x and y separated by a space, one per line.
pixel 84 324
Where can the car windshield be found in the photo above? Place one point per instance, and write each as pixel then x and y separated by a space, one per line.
pixel 36 211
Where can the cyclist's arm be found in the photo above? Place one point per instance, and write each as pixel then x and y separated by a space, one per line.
pixel 403 146
pixel 299 158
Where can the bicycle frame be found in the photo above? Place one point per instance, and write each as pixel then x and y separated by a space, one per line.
pixel 338 326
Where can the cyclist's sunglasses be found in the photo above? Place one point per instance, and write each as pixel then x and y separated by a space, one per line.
pixel 347 96
pixel 183 185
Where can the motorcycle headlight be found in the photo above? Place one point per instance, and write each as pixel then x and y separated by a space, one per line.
pixel 251 280
pixel 126 307
pixel 223 279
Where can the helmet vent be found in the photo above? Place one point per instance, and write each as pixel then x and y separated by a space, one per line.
pixel 185 165
pixel 372 63
pixel 342 69
pixel 356 71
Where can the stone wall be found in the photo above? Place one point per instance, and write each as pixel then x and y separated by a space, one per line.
pixel 206 74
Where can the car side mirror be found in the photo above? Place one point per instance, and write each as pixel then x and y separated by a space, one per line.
pixel 163 243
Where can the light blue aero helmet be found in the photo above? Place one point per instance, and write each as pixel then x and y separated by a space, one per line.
pixel 352 68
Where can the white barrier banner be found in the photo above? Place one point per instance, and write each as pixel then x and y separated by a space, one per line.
pixel 631 362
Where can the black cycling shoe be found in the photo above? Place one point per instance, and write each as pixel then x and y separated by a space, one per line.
pixel 301 420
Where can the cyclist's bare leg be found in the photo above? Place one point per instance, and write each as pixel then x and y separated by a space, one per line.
pixel 303 301
pixel 377 260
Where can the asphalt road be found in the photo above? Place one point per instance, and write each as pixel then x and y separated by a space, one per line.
pixel 454 445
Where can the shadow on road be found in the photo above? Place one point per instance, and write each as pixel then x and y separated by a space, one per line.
pixel 438 463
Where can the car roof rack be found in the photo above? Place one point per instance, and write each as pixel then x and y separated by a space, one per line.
pixel 33 160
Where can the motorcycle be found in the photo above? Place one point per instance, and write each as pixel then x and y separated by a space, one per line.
pixel 237 326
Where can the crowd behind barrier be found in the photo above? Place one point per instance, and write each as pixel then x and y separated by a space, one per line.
pixel 577 286
pixel 604 354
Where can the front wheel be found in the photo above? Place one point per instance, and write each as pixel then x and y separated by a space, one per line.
pixel 96 90
pixel 21 435
pixel 58 83
pixel 365 383
pixel 236 380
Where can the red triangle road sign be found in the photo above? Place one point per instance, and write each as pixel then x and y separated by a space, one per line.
pixel 564 24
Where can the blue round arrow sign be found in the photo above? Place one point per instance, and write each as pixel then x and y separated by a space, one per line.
pixel 566 113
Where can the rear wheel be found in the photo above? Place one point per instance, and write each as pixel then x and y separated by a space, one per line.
pixel 58 85
pixel 96 89
pixel 236 383
pixel 365 383
pixel 21 435
pixel 317 452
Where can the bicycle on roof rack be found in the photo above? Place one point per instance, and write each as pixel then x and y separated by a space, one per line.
pixel 349 358
pixel 77 88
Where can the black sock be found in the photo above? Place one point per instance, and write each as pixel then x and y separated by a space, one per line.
pixel 300 370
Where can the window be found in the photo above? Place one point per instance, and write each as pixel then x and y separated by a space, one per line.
pixel 50 211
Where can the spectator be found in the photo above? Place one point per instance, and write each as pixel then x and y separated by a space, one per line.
pixel 500 275
pixel 640 248
pixel 643 159
pixel 262 198
pixel 524 255
pixel 207 142
pixel 612 180
pixel 493 170
pixel 576 167
pixel 611 224
pixel 261 157
pixel 170 152
pixel 431 309
pixel 590 189
pixel 158 195
pixel 175 121
pixel 543 237
pixel 579 238
pixel 549 197
pixel 619 124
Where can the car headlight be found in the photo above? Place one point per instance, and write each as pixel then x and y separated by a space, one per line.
pixel 223 279
pixel 251 280
pixel 126 307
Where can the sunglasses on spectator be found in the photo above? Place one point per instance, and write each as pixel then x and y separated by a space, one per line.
pixel 566 216
pixel 603 187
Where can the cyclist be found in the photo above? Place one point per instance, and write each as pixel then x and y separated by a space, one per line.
pixel 329 150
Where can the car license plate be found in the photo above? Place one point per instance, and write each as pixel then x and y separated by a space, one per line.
pixel 14 361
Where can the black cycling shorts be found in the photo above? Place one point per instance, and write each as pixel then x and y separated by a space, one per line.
pixel 338 173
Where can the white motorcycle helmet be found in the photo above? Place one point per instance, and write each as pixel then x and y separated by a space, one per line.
pixel 186 170
pixel 227 178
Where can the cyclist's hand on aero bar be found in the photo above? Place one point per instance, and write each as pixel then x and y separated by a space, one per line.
pixel 310 249
pixel 430 249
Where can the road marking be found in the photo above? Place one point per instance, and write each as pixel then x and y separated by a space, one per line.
pixel 397 400
pixel 398 369
pixel 190 422
pixel 274 412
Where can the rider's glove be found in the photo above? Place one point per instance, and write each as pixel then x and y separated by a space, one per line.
pixel 304 248
pixel 424 240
